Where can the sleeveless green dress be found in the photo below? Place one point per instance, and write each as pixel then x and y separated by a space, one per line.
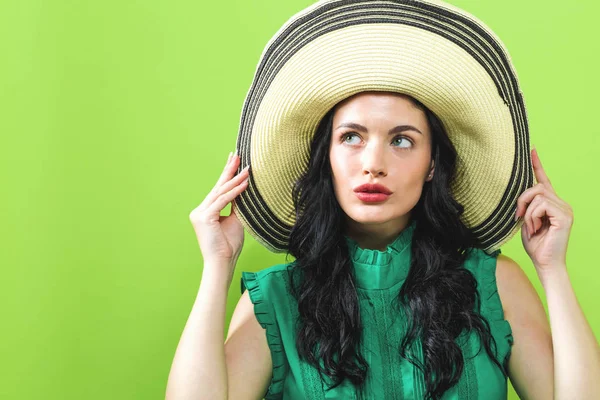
pixel 379 276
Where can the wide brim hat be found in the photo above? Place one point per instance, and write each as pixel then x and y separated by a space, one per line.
pixel 435 52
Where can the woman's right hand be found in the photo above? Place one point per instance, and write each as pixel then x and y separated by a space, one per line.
pixel 221 237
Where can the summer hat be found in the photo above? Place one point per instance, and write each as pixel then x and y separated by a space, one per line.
pixel 428 49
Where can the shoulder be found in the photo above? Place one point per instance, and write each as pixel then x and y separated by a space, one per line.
pixel 269 273
pixel 519 297
pixel 522 305
pixel 267 280
pixel 531 363
pixel 498 272
pixel 517 294
pixel 276 269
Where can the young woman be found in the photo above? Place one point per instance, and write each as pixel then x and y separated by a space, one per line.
pixel 401 177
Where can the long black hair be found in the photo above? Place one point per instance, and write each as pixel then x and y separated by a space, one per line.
pixel 439 297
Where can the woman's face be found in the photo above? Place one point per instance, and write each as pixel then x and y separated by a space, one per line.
pixel 380 138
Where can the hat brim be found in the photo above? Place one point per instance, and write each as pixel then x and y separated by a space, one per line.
pixel 436 53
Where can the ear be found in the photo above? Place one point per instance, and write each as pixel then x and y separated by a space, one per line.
pixel 431 171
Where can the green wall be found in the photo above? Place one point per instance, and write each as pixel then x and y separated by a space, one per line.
pixel 117 117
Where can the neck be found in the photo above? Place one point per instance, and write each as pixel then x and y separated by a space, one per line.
pixel 376 236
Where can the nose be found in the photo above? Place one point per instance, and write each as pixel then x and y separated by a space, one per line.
pixel 373 159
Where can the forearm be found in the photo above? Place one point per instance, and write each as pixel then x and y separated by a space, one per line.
pixel 576 350
pixel 199 370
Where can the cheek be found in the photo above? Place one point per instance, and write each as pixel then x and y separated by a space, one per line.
pixel 342 177
pixel 339 166
pixel 409 173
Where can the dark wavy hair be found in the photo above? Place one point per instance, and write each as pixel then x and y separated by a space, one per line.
pixel 439 297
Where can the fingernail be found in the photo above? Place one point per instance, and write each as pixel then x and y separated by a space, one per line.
pixel 229 157
pixel 235 152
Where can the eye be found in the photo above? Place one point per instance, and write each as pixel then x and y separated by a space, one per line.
pixel 397 139
pixel 409 142
pixel 346 136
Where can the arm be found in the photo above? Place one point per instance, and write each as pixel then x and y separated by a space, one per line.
pixel 199 370
pixel 249 362
pixel 576 350
pixel 530 367
pixel 547 222
pixel 204 367
pixel 561 365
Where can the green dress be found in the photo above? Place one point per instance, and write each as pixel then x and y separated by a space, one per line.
pixel 379 276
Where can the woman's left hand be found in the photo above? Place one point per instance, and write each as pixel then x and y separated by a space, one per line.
pixel 547 220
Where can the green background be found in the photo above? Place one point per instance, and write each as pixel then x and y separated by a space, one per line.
pixel 117 118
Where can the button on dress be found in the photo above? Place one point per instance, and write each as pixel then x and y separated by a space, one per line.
pixel 379 275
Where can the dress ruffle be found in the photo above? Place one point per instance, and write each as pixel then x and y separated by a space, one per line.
pixel 266 317
pixel 491 308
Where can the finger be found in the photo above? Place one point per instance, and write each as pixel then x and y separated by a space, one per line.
pixel 537 215
pixel 228 171
pixel 525 231
pixel 530 193
pixel 236 180
pixel 538 209
pixel 545 209
pixel 537 212
pixel 540 174
pixel 222 200
pixel 226 175
pixel 526 197
pixel 527 218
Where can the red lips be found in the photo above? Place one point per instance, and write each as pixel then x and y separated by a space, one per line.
pixel 372 188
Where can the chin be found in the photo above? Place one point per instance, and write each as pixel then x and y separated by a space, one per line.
pixel 371 214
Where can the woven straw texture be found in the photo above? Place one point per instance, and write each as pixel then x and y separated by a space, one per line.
pixel 430 50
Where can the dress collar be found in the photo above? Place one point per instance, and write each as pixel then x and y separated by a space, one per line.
pixel 378 270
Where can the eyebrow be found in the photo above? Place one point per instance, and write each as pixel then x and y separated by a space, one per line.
pixel 397 129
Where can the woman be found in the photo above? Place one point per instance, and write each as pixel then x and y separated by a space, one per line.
pixel 394 293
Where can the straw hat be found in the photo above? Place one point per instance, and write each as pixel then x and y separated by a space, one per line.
pixel 435 52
